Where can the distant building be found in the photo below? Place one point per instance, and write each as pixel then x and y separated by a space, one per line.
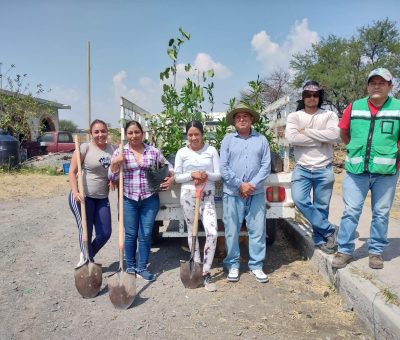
pixel 50 120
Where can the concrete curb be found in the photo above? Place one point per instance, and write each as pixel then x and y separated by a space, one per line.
pixel 361 293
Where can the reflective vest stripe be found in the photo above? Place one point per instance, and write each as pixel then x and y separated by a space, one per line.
pixel 367 114
pixel 384 161
pixel 389 113
pixel 360 113
pixel 354 160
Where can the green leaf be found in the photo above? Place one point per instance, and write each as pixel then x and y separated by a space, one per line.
pixel 171 42
pixel 187 36
pixel 171 53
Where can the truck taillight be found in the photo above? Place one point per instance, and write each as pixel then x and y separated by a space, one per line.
pixel 276 194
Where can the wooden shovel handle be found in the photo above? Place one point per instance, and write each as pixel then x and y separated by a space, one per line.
pixel 121 203
pixel 199 189
pixel 81 190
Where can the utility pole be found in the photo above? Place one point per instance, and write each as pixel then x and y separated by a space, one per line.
pixel 89 109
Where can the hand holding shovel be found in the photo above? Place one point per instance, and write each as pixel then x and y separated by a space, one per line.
pixel 122 285
pixel 191 272
pixel 88 277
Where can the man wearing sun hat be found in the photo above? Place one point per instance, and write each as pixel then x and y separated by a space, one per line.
pixel 313 131
pixel 370 128
pixel 245 163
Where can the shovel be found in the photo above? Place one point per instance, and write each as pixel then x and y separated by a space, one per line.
pixel 121 285
pixel 191 272
pixel 88 277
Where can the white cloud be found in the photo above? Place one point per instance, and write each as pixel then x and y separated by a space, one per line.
pixel 204 62
pixel 272 55
pixel 147 95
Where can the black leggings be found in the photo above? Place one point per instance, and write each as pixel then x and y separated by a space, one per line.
pixel 98 213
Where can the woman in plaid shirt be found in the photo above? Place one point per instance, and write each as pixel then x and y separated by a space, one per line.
pixel 140 204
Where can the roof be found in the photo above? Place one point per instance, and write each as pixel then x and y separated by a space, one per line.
pixel 39 100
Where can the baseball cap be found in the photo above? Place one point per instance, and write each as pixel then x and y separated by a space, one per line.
pixel 382 72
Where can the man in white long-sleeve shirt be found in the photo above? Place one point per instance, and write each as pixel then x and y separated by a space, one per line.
pixel 313 131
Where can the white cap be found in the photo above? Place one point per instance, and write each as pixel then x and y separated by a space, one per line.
pixel 382 72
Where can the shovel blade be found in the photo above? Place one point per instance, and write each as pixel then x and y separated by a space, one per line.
pixel 191 274
pixel 122 289
pixel 88 279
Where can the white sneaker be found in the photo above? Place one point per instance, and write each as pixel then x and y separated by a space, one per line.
pixel 81 260
pixel 260 275
pixel 233 275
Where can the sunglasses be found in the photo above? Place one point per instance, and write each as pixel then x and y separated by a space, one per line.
pixel 309 95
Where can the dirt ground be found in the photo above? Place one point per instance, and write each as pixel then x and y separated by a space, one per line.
pixel 39 248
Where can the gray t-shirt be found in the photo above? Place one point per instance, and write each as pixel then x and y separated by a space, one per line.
pixel 95 169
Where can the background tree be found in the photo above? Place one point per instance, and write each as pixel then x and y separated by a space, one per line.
pixel 342 65
pixel 67 125
pixel 272 87
pixel 255 97
pixel 18 106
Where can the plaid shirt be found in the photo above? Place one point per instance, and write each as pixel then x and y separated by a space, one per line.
pixel 135 181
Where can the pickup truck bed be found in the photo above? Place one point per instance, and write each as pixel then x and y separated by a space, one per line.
pixel 170 222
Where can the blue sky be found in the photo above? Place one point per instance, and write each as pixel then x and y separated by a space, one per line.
pixel 241 39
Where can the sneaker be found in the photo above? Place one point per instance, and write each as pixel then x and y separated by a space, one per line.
pixel 146 275
pixel 325 248
pixel 81 260
pixel 375 261
pixel 208 283
pixel 233 275
pixel 260 275
pixel 131 270
pixel 341 260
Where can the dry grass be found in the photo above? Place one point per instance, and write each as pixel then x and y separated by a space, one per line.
pixel 17 186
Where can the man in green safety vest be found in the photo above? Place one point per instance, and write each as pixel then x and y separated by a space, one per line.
pixel 370 129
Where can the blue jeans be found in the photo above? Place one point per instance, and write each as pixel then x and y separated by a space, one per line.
pixel 355 189
pixel 139 218
pixel 316 212
pixel 236 210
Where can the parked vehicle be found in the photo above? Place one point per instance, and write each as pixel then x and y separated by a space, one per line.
pixel 169 221
pixel 56 141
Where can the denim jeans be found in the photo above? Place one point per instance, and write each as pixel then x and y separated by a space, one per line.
pixel 316 211
pixel 139 218
pixel 236 210
pixel 355 189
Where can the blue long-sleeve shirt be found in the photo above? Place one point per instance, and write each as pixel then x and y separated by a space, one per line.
pixel 244 160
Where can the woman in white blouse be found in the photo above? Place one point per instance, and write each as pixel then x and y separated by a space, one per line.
pixel 197 163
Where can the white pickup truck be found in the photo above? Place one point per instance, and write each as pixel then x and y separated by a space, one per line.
pixel 170 222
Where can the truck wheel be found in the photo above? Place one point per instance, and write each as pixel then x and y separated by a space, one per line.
pixel 155 234
pixel 272 226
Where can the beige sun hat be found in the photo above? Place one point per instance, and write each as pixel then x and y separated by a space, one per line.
pixel 242 107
